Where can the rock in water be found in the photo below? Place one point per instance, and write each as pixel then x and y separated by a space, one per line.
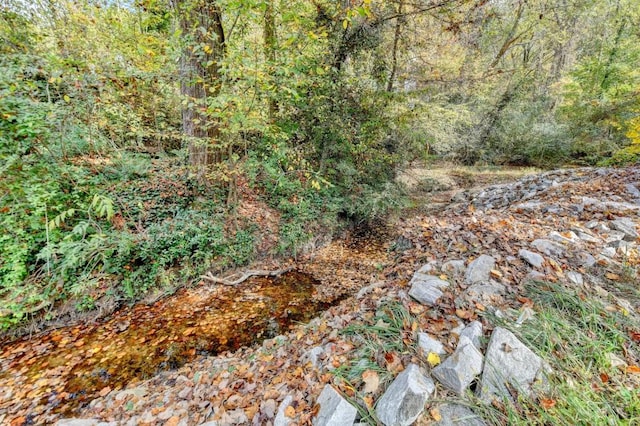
pixel 509 362
pixel 405 398
pixel 334 409
pixel 458 371
pixel 458 415
pixel 479 269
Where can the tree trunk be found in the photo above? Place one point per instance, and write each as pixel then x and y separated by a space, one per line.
pixel 270 46
pixel 202 53
pixel 394 53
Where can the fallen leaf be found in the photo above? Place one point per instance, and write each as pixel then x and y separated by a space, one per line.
pixel 371 381
pixel 393 361
pixel 290 411
pixel 548 403
pixel 604 377
pixel 635 336
pixel 633 369
pixel 435 413
pixel 433 359
pixel 612 276
pixel 104 391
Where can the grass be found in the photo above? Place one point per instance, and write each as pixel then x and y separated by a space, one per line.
pixel 579 336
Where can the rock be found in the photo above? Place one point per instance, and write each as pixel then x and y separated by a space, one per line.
pixel 624 247
pixel 334 409
pixel 429 344
pixel 550 248
pixel 479 269
pixel 138 392
pixel 404 399
pixel 486 292
pixel 473 332
pixel 575 278
pixel 185 393
pixel 427 289
pixel 77 422
pixel 614 236
pixel 166 414
pixel 455 266
pixel 535 276
pixel 569 239
pixel 587 237
pixel 458 371
pixel 211 423
pixel 632 190
pixel 509 361
pixel 457 415
pixel 627 227
pixel 281 418
pixel 534 259
pixel 313 355
pixel 609 252
pixel 586 259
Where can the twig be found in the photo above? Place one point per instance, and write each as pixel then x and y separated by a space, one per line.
pixel 246 275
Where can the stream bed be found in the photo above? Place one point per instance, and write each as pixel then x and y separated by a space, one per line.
pixel 60 370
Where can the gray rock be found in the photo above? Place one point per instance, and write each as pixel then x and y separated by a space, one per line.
pixel 550 248
pixel 609 252
pixel 627 227
pixel 77 422
pixel 427 289
pixel 535 276
pixel 404 399
pixel 575 277
pixel 334 409
pixel 556 236
pixel 534 259
pixel 586 259
pixel 632 190
pixel 458 371
pixel 479 269
pixel 211 423
pixel 458 415
pixel 509 362
pixel 588 237
pixel 473 332
pixel 281 419
pixel 429 344
pixel 314 354
pixel 138 392
pixel 624 247
pixel 614 236
pixel 455 266
pixel 486 292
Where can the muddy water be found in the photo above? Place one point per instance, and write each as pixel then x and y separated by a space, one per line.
pixel 58 371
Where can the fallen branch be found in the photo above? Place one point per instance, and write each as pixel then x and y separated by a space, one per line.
pixel 246 275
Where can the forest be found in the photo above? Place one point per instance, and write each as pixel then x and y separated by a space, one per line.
pixel 145 142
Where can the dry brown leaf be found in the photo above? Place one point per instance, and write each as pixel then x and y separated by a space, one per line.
pixel 371 381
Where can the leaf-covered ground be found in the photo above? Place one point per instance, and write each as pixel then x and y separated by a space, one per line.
pixel 246 386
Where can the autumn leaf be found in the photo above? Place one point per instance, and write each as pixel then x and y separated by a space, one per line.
pixel 548 403
pixel 435 413
pixel 290 411
pixel 433 359
pixel 371 381
pixel 612 276
pixel 633 369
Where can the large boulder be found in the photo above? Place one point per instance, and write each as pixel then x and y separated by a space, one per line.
pixel 404 399
pixel 510 364
pixel 334 409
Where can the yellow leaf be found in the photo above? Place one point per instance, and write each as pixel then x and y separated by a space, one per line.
pixel 433 359
pixel 66 98
pixel 290 411
pixel 435 413
pixel 345 24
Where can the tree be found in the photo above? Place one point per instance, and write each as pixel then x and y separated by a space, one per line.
pixel 203 49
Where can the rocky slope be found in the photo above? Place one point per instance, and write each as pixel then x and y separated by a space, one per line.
pixel 449 271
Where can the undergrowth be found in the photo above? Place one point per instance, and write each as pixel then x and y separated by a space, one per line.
pixel 589 346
